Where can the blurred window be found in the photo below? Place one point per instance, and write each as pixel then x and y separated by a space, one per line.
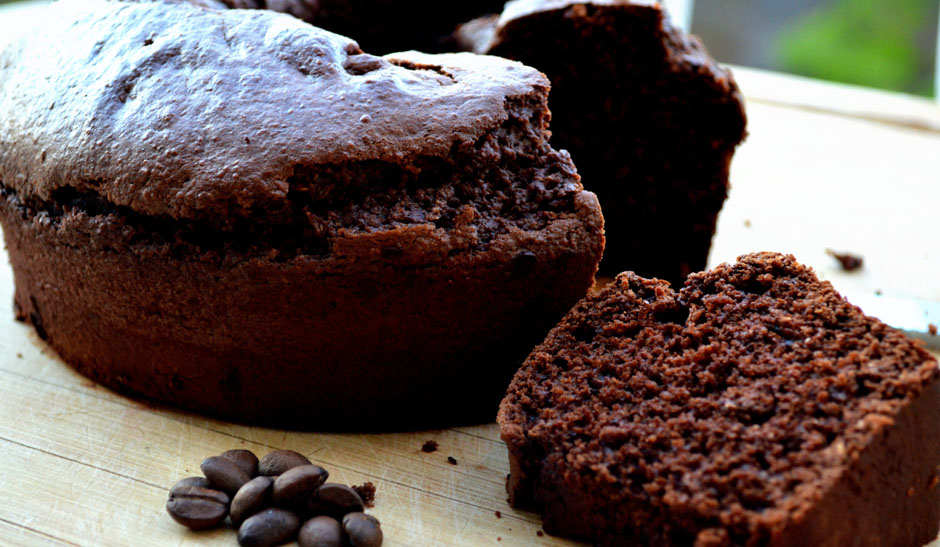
pixel 888 45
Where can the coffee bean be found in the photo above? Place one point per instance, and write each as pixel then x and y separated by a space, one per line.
pixel 197 508
pixel 335 500
pixel 321 531
pixel 267 528
pixel 201 482
pixel 279 461
pixel 362 530
pixel 237 484
pixel 245 459
pixel 296 485
pixel 251 498
pixel 350 516
pixel 224 474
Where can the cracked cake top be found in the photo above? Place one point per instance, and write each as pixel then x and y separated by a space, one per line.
pixel 180 111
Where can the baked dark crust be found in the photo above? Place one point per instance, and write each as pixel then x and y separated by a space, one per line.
pixel 197 114
pixel 753 407
pixel 265 257
pixel 648 116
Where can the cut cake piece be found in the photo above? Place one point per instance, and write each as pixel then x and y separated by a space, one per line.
pixel 755 406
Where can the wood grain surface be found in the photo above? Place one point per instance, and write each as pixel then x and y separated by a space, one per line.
pixel 82 465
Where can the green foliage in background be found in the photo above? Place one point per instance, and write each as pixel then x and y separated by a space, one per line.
pixel 864 42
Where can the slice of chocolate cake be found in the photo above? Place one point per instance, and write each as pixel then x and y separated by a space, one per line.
pixel 239 213
pixel 753 407
pixel 649 118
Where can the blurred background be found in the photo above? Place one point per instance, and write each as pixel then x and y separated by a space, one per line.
pixel 873 43
pixel 886 45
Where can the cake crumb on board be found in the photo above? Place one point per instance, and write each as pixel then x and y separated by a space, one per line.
pixel 366 491
pixel 849 262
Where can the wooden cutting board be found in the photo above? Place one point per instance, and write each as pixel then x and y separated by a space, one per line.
pixel 824 167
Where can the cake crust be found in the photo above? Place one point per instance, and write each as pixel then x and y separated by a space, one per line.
pixel 754 406
pixel 195 113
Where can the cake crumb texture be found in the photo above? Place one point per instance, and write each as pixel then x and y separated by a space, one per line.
pixel 755 406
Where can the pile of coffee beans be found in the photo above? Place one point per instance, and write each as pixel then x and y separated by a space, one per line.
pixel 273 501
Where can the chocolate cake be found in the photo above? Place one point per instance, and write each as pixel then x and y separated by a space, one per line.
pixel 241 214
pixel 755 406
pixel 649 118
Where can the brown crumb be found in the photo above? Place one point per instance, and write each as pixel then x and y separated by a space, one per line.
pixel 451 460
pixel 747 223
pixel 19 355
pixel 910 492
pixel 933 482
pixel 932 329
pixel 499 515
pixel 429 446
pixel 366 491
pixel 540 533
pixel 849 262
pixel 499 538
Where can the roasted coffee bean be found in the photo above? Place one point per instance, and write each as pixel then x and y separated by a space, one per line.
pixel 267 528
pixel 201 482
pixel 296 485
pixel 279 461
pixel 197 508
pixel 350 516
pixel 321 531
pixel 335 500
pixel 245 459
pixel 362 530
pixel 224 474
pixel 251 498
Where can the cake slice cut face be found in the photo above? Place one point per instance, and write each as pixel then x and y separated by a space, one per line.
pixel 755 406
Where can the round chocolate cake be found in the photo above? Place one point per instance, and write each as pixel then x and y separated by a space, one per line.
pixel 755 406
pixel 238 213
